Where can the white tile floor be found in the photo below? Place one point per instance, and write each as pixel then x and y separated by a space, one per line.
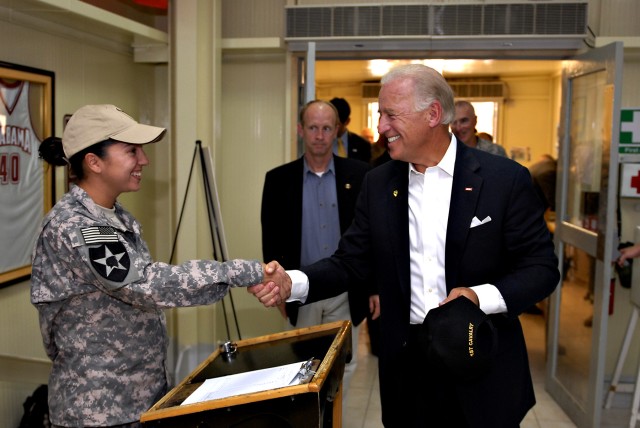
pixel 363 401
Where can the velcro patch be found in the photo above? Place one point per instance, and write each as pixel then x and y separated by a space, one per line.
pixel 99 234
pixel 110 261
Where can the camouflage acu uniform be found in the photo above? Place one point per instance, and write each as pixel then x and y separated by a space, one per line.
pixel 100 298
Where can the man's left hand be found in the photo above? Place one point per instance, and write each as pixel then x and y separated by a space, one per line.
pixel 462 291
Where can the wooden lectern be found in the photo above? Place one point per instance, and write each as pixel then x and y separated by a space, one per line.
pixel 317 403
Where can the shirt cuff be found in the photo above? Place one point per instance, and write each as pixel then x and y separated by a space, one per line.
pixel 299 286
pixel 491 301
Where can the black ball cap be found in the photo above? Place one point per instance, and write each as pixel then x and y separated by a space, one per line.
pixel 460 338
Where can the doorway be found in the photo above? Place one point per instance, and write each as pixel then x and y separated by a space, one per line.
pixel 523 114
pixel 526 123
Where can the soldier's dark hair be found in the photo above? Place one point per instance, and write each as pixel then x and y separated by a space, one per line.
pixel 52 152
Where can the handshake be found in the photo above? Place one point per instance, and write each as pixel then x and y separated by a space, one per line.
pixel 275 287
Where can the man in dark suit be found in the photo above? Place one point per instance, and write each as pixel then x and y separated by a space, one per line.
pixel 438 222
pixel 306 206
pixel 354 146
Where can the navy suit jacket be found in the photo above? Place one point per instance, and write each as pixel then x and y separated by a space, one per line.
pixel 513 251
pixel 281 217
pixel 358 148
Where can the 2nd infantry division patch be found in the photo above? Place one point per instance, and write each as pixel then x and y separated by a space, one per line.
pixel 108 255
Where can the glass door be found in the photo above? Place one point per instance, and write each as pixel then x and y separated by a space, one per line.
pixel 585 232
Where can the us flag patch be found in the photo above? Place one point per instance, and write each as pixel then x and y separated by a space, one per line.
pixel 99 234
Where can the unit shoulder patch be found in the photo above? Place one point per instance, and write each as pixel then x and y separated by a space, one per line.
pixel 107 254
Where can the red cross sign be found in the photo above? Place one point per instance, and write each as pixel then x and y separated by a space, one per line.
pixel 630 180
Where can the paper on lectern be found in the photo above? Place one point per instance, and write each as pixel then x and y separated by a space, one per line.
pixel 244 383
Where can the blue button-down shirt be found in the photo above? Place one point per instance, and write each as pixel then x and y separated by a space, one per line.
pixel 320 216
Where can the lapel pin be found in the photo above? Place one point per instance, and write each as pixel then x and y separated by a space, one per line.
pixel 468 189
pixel 347 186
pixel 395 193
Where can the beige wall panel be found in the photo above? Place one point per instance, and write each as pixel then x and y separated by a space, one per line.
pixel 615 17
pixel 19 327
pixel 529 128
pixel 253 136
pixel 528 119
pixel 252 18
pixel 533 86
pixel 630 76
pixel 193 55
pixel 156 211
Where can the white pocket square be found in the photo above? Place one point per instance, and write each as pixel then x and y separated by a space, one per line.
pixel 477 222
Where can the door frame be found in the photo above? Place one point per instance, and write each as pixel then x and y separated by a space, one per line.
pixel 598 244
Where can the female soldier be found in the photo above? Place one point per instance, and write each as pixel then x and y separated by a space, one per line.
pixel 99 295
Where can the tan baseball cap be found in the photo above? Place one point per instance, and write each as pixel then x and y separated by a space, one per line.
pixel 92 124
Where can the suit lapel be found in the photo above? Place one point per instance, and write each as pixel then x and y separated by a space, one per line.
pixel 395 203
pixel 294 209
pixel 465 191
pixel 343 191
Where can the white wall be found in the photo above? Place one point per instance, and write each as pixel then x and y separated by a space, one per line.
pixel 254 140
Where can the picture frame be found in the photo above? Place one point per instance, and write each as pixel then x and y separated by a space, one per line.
pixel 27 183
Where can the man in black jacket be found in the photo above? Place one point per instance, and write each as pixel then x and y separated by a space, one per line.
pixel 354 146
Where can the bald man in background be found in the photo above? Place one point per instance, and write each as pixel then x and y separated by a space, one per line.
pixel 464 128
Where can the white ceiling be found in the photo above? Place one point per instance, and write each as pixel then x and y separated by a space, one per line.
pixel 121 23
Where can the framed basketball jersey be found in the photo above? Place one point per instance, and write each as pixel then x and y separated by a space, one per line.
pixel 26 192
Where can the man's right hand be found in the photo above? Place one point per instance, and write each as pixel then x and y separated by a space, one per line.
pixel 275 288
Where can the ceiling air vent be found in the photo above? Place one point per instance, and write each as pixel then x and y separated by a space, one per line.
pixel 535 18
pixel 469 89
pixel 370 90
pixel 541 24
